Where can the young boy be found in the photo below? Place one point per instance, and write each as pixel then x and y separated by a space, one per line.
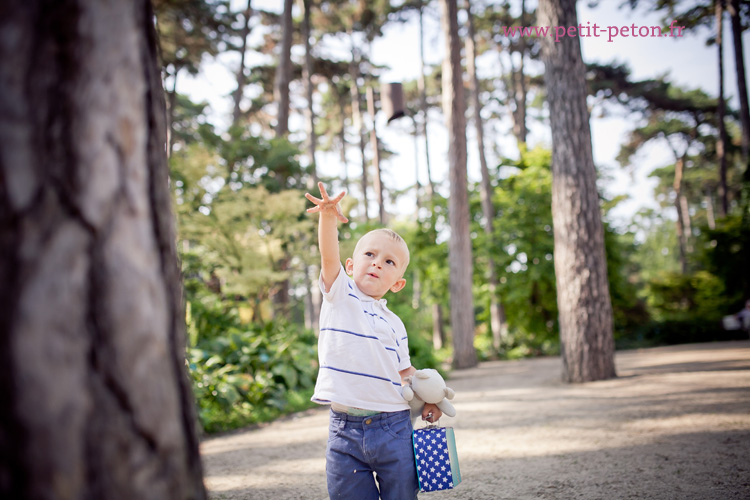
pixel 364 357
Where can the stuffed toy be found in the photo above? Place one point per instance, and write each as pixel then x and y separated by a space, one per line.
pixel 427 386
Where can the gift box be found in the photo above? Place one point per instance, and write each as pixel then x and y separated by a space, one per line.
pixel 437 461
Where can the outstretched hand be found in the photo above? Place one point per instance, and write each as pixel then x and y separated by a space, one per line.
pixel 327 203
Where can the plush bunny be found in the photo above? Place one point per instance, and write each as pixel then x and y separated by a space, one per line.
pixel 427 386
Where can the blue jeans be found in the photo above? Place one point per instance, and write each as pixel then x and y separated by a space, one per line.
pixel 361 446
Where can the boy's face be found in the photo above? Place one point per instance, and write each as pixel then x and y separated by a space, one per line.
pixel 378 264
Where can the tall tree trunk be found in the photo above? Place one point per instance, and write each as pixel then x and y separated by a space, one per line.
pixel 171 105
pixel 497 314
pixel 583 299
pixel 720 110
pixel 241 80
pixel 281 96
pixel 417 184
pixel 438 329
pixel 342 138
pixel 313 298
pixel 416 300
pixel 710 217
pixel 307 73
pixel 284 71
pixel 739 63
pixel 95 395
pixel 378 180
pixel 423 103
pixel 459 246
pixel 358 123
pixel 679 168
pixel 519 87
pixel 685 207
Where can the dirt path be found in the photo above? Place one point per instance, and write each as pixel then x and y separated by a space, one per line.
pixel 674 425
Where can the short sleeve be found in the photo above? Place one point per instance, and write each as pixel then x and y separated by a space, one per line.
pixel 338 288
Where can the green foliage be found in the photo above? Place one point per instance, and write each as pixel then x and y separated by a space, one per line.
pixel 658 250
pixel 674 296
pixel 187 30
pixel 246 375
pixel 672 332
pixel 628 309
pixel 523 253
pixel 242 373
pixel 726 254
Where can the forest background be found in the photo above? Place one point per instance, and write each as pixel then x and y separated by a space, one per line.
pixel 242 158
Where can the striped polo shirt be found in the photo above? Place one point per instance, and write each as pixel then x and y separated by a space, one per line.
pixel 361 349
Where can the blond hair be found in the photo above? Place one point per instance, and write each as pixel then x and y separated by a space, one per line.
pixel 393 235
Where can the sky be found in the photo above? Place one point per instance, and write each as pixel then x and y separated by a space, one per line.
pixel 686 61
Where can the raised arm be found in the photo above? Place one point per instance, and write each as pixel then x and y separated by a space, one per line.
pixel 328 234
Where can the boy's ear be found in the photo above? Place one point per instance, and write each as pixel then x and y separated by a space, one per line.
pixel 398 285
pixel 349 266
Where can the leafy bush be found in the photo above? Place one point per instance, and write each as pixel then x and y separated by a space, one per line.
pixel 694 297
pixel 674 332
pixel 252 375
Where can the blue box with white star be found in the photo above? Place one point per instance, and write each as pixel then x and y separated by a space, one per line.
pixel 437 461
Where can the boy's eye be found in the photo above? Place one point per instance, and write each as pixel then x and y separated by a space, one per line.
pixel 369 254
pixel 389 261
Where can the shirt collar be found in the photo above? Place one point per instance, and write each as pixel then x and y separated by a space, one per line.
pixel 365 297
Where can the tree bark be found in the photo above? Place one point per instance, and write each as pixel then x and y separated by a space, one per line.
pixel 739 62
pixel 377 179
pixel 245 33
pixel 284 71
pixel 422 87
pixel 312 138
pixel 518 78
pixel 721 141
pixel 342 138
pixel 313 299
pixel 682 236
pixel 438 331
pixel 459 246
pixel 281 95
pixel 358 123
pixel 583 299
pixel 95 395
pixel 498 324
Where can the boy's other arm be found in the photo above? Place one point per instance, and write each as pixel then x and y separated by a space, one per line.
pixel 328 239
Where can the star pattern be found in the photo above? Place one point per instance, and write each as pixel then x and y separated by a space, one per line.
pixel 433 462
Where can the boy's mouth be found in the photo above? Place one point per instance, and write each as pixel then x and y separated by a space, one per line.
pixel 372 274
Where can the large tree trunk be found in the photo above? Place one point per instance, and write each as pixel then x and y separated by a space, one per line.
pixel 281 95
pixel 375 146
pixel 459 246
pixel 682 236
pixel 95 397
pixel 313 299
pixel 580 264
pixel 421 84
pixel 241 80
pixel 312 138
pixel 721 141
pixel 518 80
pixel 284 71
pixel 358 123
pixel 498 324
pixel 739 62
pixel 342 138
pixel 438 331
